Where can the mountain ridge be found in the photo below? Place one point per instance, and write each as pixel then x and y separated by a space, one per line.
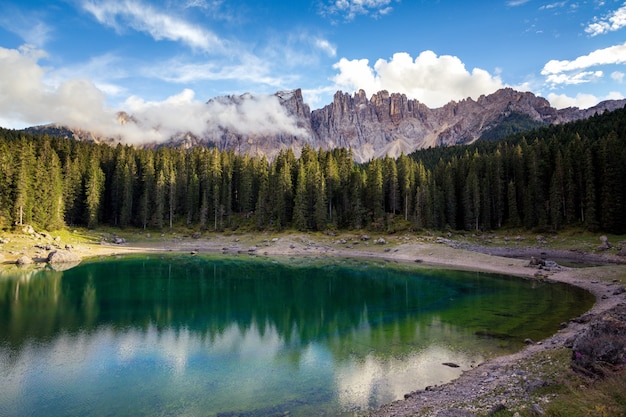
pixel 385 124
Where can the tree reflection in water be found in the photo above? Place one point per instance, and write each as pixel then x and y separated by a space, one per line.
pixel 293 334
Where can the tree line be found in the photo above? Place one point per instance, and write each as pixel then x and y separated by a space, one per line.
pixel 545 179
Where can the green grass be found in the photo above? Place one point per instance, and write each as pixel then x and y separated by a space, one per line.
pixel 582 397
pixel 570 394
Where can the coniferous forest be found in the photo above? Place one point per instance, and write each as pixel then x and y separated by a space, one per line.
pixel 544 179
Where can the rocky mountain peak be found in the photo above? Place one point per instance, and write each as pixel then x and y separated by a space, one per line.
pixel 385 124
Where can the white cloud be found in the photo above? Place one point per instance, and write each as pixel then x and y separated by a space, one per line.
pixel 612 55
pixel 352 8
pixel 553 5
pixel 27 97
pixel 245 114
pixel 583 101
pixel 326 46
pixel 610 23
pixel 144 18
pixel 565 72
pixel 618 76
pixel 433 80
pixel 514 3
pixel 575 78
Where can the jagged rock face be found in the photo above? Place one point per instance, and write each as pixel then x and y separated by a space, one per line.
pixel 389 124
pixel 385 124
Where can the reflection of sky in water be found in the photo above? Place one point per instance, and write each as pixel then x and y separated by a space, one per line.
pixel 236 363
pixel 219 339
pixel 369 382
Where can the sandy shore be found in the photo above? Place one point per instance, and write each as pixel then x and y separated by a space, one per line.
pixel 475 391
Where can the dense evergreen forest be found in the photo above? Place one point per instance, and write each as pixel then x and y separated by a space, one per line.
pixel 544 179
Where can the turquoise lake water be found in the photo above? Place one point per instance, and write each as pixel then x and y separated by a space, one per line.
pixel 174 335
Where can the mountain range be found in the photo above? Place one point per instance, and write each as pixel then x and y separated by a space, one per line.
pixel 385 124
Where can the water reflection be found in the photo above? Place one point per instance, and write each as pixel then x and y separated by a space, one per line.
pixel 202 335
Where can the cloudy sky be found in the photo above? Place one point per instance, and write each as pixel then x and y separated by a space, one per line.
pixel 79 61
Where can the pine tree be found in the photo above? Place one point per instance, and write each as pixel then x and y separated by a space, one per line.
pixel 375 194
pixel 331 175
pixel 94 191
pixel 391 186
pixel 612 194
pixel 226 187
pixel 557 193
pixel 514 217
pixel 48 212
pixel 6 183
pixel 263 203
pixel 24 199
pixel 171 194
pixel 406 180
pixel 300 209
pixel 215 187
pixel 358 181
pixel 472 196
pixel 283 196
pixel 73 191
pixel 320 205
pixel 148 189
pixel 590 211
pixel 128 185
pixel 497 194
pixel 160 197
pixel 449 185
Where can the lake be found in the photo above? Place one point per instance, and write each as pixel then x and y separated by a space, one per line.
pixel 182 335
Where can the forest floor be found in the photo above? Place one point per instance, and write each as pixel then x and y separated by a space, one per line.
pixel 503 386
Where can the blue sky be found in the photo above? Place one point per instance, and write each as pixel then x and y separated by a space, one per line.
pixel 78 61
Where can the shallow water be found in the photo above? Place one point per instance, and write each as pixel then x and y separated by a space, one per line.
pixel 184 335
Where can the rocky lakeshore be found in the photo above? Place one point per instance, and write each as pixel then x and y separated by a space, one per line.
pixel 501 383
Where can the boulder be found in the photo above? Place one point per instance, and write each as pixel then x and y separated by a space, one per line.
pixel 28 230
pixel 603 344
pixel 62 256
pixel 24 260
pixel 604 243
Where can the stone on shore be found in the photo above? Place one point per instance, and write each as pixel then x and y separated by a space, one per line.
pixel 604 243
pixel 62 256
pixel 24 260
pixel 603 343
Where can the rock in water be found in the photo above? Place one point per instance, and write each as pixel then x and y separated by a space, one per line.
pixel 62 256
pixel 451 364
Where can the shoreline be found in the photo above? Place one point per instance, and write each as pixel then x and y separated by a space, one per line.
pixel 483 384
